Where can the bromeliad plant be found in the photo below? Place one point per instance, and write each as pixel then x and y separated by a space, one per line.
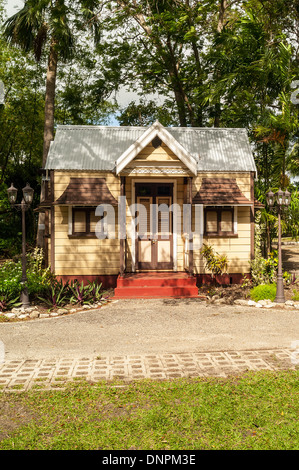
pixel 96 294
pixel 7 303
pixel 80 293
pixel 86 294
pixel 57 294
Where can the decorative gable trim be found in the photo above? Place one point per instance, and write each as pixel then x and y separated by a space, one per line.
pixel 156 130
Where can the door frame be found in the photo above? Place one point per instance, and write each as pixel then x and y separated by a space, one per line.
pixel 174 201
pixel 154 264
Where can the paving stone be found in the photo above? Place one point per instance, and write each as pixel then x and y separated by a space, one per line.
pixel 21 375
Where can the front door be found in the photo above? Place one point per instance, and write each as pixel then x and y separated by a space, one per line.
pixel 154 238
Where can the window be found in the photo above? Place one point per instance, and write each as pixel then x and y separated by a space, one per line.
pixel 219 221
pixel 84 222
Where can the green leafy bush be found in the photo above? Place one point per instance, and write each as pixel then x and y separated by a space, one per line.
pixel 214 262
pixel 263 271
pixel 295 296
pixel 56 294
pixel 43 286
pixel 7 302
pixel 86 294
pixel 10 279
pixel 59 294
pixel 263 292
pixel 38 277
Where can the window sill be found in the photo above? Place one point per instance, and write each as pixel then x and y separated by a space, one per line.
pixel 219 235
pixel 83 235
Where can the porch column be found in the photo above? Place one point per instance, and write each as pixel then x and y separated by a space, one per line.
pixel 122 230
pixel 189 198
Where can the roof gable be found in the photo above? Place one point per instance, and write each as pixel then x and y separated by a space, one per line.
pixel 156 130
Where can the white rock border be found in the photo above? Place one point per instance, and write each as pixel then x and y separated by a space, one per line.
pixel 267 303
pixel 32 313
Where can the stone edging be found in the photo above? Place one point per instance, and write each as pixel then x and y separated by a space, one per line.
pixel 31 313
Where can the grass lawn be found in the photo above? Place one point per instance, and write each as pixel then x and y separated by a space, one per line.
pixel 252 411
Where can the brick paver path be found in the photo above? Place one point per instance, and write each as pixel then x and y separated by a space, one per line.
pixel 21 375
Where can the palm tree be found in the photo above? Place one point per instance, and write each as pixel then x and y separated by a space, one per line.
pixel 42 24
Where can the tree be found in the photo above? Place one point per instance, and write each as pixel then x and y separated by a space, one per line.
pixel 145 114
pixel 164 41
pixel 44 24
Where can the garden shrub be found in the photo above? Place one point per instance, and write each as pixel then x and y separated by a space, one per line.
pixel 263 271
pixel 10 278
pixel 38 278
pixel 43 286
pixel 263 292
pixel 214 262
pixel 295 296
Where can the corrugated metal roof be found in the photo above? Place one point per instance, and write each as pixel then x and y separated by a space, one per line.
pixel 98 147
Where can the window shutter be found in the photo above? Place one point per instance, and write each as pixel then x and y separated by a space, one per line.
pixel 144 215
pixel 79 221
pixel 93 221
pixel 164 219
pixel 226 224
pixel 211 221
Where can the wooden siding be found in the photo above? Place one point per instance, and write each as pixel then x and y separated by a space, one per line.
pixel 237 249
pixel 83 256
pixel 151 154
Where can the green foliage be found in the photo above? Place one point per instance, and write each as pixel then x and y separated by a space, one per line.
pixel 145 114
pixel 212 64
pixel 290 221
pixel 86 293
pixel 96 292
pixel 38 278
pixel 214 262
pixel 80 293
pixel 10 279
pixel 263 292
pixel 256 410
pixel 59 293
pixel 263 271
pixel 56 294
pixel 43 286
pixel 295 296
pixel 7 302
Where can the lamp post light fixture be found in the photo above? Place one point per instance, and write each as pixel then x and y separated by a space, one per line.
pixel 23 207
pixel 282 199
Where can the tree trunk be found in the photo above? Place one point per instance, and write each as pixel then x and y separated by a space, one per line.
pixel 48 128
pixel 222 9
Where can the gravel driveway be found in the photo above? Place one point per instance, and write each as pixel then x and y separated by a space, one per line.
pixel 128 327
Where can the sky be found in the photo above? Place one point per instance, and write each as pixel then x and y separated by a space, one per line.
pixel 12 6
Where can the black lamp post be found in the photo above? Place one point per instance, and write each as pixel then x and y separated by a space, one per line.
pixel 282 199
pixel 23 207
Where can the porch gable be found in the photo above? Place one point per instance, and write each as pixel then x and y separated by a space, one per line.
pixel 156 131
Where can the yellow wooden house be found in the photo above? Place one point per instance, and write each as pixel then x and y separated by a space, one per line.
pixel 136 204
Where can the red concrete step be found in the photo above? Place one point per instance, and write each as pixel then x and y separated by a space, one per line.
pixel 158 281
pixel 154 292
pixel 155 285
